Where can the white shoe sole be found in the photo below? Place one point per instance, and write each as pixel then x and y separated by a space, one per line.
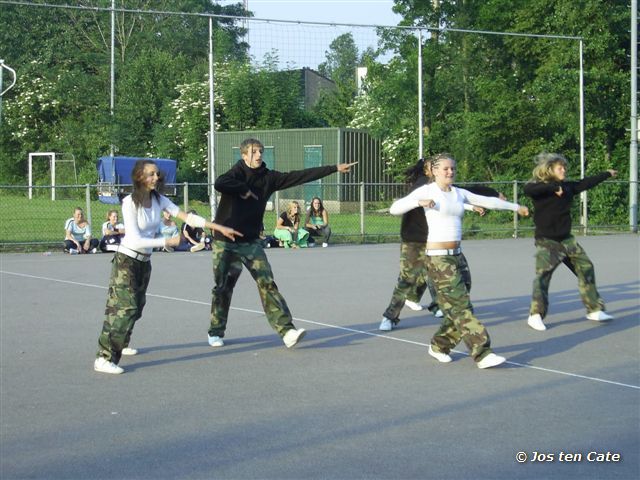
pixel 535 322
pixel 216 342
pixel 599 316
pixel 292 341
pixel 416 307
pixel 491 360
pixel 441 357
pixel 107 367
pixel 385 325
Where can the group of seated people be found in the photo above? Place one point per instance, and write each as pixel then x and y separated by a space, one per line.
pixel 192 239
pixel 288 232
pixel 78 237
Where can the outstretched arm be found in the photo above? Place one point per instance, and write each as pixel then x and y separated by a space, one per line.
pixel 493 203
pixel 298 177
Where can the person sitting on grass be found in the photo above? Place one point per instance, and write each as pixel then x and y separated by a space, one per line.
pixel 288 230
pixel 195 239
pixel 317 222
pixel 112 232
pixel 78 234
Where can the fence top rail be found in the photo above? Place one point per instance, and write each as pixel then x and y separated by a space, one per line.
pixel 324 183
pixel 296 22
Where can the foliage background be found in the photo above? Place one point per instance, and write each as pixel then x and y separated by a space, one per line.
pixel 492 101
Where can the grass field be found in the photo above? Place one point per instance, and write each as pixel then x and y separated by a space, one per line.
pixel 39 223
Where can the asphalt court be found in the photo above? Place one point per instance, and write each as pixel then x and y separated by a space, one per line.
pixel 349 402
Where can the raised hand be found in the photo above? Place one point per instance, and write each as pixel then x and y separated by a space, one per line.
pixel 345 167
pixel 229 232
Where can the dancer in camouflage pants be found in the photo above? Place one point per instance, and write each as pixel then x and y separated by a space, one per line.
pixel 452 280
pixel 412 280
pixel 549 254
pixel 125 301
pixel 552 195
pixel 228 259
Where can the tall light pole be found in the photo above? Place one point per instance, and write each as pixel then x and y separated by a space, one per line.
pixel 633 145
pixel 112 102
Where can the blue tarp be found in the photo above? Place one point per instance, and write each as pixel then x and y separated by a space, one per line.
pixel 113 172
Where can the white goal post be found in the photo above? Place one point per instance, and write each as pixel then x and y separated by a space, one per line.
pixel 53 158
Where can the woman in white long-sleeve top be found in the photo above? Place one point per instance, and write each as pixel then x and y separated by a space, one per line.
pixel 131 270
pixel 444 207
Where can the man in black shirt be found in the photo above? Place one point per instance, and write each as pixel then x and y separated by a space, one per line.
pixel 245 189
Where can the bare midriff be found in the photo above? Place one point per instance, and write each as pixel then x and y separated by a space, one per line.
pixel 441 245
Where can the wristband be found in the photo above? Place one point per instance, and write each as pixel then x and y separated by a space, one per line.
pixel 195 221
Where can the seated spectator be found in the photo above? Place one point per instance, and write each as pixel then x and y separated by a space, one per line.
pixel 318 223
pixel 288 230
pixel 195 239
pixel 78 234
pixel 112 232
pixel 167 229
pixel 268 241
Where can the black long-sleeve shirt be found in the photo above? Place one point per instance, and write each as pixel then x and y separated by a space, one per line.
pixel 413 226
pixel 245 215
pixel 552 213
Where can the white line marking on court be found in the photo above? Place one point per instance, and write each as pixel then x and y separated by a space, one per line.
pixel 337 327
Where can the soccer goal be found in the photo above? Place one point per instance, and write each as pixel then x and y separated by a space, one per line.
pixel 62 166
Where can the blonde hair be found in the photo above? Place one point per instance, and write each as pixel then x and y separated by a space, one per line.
pixel 290 208
pixel 545 162
pixel 251 142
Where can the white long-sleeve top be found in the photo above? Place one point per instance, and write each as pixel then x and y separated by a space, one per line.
pixel 445 217
pixel 141 224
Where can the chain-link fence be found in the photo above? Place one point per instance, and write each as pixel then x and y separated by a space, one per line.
pixel 358 212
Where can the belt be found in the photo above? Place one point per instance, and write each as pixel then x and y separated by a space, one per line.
pixel 142 257
pixel 443 251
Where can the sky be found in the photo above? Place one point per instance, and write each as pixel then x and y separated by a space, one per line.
pixel 369 12
pixel 304 45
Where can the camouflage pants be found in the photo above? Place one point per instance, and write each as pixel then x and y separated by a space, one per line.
pixel 451 278
pixel 549 254
pixel 228 259
pixel 412 281
pixel 125 301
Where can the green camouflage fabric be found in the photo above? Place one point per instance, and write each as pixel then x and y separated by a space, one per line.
pixel 228 259
pixel 451 279
pixel 549 254
pixel 412 280
pixel 125 301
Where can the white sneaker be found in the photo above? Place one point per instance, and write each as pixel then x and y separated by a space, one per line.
pixel 216 341
pixel 197 247
pixel 386 325
pixel 599 316
pixel 413 305
pixel 325 244
pixel 293 336
pixel 103 365
pixel 73 251
pixel 439 314
pixel 535 322
pixel 441 357
pixel 129 351
pixel 491 360
pixel 94 250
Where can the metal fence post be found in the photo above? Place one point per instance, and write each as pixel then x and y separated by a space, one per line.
pixel 87 199
pixel 185 194
pixel 515 214
pixel 362 210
